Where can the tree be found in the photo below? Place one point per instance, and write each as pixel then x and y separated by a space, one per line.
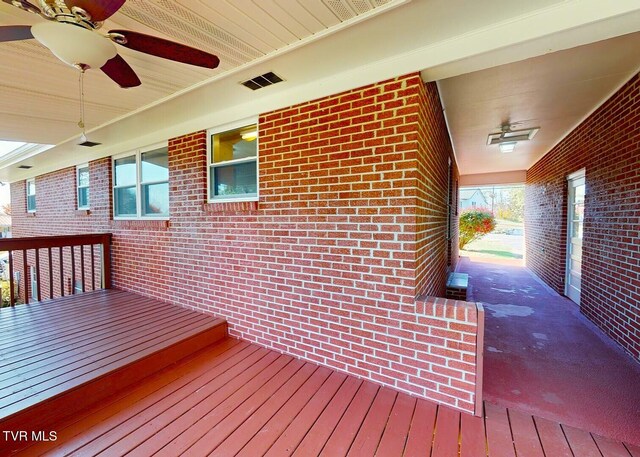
pixel 474 224
pixel 6 209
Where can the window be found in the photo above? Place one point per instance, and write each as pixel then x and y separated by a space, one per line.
pixel 233 164
pixel 31 195
pixel 141 184
pixel 82 183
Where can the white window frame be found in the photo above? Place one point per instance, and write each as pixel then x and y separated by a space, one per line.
pixel 210 165
pixel 78 187
pixel 138 156
pixel 28 181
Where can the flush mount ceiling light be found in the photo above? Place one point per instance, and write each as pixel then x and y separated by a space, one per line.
pixel 507 139
pixel 507 147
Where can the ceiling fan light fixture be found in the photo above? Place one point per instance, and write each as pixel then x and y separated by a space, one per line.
pixel 75 46
pixel 507 147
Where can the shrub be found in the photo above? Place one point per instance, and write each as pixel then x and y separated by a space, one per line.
pixel 474 224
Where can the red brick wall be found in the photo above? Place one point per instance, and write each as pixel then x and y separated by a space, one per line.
pixel 437 222
pixel 349 230
pixel 607 145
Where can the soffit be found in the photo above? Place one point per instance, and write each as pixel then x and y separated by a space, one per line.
pixel 39 94
pixel 555 92
pixel 442 38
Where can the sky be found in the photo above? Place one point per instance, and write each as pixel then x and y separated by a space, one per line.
pixel 5 148
pixel 5 197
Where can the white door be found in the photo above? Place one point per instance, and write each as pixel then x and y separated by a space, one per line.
pixel 575 228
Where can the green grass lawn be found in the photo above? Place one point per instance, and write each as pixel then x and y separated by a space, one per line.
pixel 505 242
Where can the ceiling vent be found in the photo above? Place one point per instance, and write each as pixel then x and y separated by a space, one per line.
pixel 25 167
pixel 268 79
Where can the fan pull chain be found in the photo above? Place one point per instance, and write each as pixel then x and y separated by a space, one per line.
pixel 81 85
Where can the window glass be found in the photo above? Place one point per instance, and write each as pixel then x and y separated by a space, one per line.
pixel 233 170
pixel 125 171
pixel 155 199
pixel 152 168
pixel 235 180
pixel 125 201
pixel 155 166
pixel 83 187
pixel 31 195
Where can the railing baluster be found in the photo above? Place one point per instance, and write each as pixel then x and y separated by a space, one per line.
pixel 31 272
pixel 61 273
pixel 93 267
pixel 50 275
pixel 73 270
pixel 39 296
pixel 82 266
pixel 12 293
pixel 25 281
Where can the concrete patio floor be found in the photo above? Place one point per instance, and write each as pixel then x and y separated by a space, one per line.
pixel 542 356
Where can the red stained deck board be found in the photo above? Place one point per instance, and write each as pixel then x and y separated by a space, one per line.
pixel 552 438
pixel 370 433
pixel 421 432
pixel 57 376
pixel 78 338
pixel 499 440
pixel 445 442
pixel 610 448
pixel 633 450
pixel 298 428
pixel 472 436
pixel 350 423
pixel 45 318
pixel 32 395
pixel 581 442
pixel 260 406
pixel 525 436
pixel 93 423
pixel 172 409
pixel 234 398
pixel 212 417
pixel 395 434
pixel 281 406
pixel 76 361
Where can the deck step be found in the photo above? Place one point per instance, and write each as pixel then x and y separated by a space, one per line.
pixel 457 284
pixel 93 346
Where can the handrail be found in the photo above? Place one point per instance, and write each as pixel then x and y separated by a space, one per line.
pixel 29 248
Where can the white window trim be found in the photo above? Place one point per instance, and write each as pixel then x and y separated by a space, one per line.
pixel 78 187
pixel 224 128
pixel 35 191
pixel 138 155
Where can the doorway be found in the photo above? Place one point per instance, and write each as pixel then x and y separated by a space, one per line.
pixel 575 229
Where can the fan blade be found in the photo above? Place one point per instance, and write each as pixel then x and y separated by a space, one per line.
pixel 166 49
pixel 15 32
pixel 25 5
pixel 98 9
pixel 117 69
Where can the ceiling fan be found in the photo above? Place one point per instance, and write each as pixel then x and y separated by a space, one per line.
pixel 70 32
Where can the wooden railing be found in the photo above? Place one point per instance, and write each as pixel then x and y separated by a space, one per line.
pixel 55 259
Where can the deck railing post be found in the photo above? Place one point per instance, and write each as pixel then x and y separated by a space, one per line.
pixel 105 247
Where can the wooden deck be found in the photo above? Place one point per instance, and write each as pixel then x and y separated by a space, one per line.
pixel 58 357
pixel 235 398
